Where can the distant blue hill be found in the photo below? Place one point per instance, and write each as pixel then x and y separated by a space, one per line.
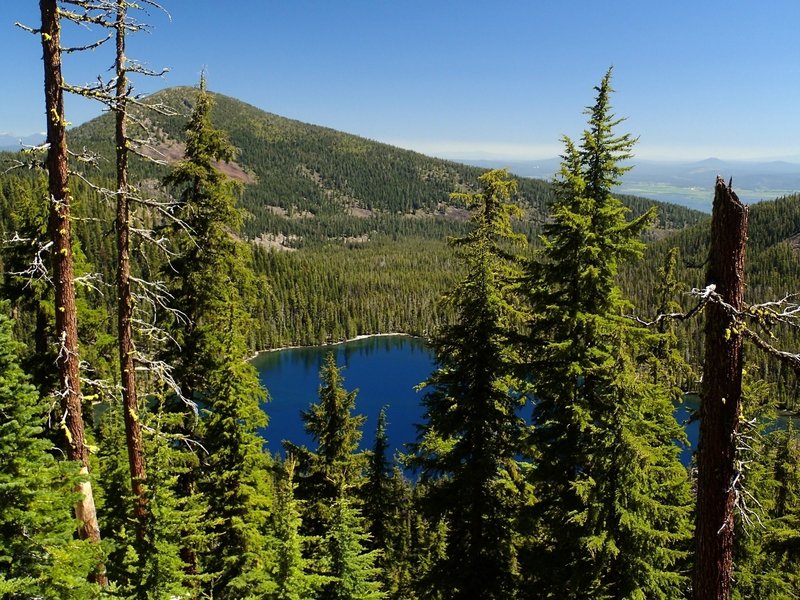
pixel 689 183
pixel 11 142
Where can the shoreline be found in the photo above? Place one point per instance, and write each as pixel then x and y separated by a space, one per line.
pixel 363 336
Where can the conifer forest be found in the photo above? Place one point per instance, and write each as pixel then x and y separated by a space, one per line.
pixel 149 253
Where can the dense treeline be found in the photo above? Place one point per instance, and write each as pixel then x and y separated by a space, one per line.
pixel 547 460
pixel 773 271
pixel 331 293
pixel 382 273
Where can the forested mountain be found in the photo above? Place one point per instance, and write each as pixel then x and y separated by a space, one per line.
pixel 311 183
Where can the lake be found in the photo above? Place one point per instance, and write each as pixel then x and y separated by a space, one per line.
pixel 384 369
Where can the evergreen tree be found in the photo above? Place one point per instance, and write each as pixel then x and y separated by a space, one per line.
pixel 151 567
pixel 668 366
pixel 331 478
pixel 238 482
pixel 783 541
pixel 211 265
pixel 292 575
pixel 767 541
pixel 113 508
pixel 174 521
pixel 472 433
pixel 31 298
pixel 611 517
pixel 335 468
pixel 427 550
pixel 351 567
pixel 388 512
pixel 38 556
pixel 214 287
pixel 377 498
pixel 400 562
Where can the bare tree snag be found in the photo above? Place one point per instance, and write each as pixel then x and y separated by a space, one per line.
pixel 133 430
pixel 720 399
pixel 59 225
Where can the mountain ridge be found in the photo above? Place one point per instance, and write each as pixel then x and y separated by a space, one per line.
pixel 298 175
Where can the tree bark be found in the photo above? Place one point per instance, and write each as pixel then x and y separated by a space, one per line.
pixel 59 226
pixel 133 430
pixel 720 400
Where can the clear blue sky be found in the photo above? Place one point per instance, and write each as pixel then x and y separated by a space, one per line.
pixel 464 78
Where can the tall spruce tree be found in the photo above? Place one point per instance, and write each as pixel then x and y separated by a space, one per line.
pixel 335 468
pixel 388 513
pixel 611 517
pixel 332 476
pixel 214 287
pixel 472 434
pixel 39 557
pixel 291 570
pixel 350 566
pixel 211 264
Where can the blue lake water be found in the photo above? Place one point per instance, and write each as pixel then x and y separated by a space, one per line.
pixel 385 370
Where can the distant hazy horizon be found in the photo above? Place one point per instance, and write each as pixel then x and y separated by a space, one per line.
pixel 493 151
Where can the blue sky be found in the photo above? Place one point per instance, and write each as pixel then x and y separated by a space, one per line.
pixel 464 78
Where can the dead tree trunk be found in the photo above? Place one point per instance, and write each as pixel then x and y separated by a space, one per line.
pixel 133 430
pixel 59 226
pixel 720 400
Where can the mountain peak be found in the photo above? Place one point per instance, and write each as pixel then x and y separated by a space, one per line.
pixel 305 181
